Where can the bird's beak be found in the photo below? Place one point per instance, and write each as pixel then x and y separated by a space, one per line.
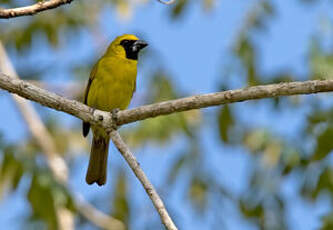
pixel 138 45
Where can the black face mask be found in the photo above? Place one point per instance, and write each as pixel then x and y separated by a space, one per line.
pixel 132 47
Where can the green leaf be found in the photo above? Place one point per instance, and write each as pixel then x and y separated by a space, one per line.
pixel 324 144
pixel 251 211
pixel 327 222
pixel 198 193
pixel 179 8
pixel 120 201
pixel 225 122
pixel 325 182
pixel 42 201
pixel 11 170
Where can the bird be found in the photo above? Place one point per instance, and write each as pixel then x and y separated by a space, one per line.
pixel 110 87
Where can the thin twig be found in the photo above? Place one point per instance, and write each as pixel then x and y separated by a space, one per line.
pixel 57 164
pixel 96 216
pixel 102 118
pixel 139 173
pixel 167 2
pixel 32 9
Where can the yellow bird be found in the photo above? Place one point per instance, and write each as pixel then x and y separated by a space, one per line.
pixel 111 86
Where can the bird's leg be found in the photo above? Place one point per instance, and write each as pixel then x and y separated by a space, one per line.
pixel 114 116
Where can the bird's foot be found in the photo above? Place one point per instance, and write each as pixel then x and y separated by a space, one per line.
pixel 114 116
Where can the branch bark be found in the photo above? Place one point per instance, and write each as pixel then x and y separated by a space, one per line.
pixel 139 173
pixel 32 9
pixel 167 2
pixel 102 118
pixel 56 163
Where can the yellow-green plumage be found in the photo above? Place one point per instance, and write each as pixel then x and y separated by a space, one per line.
pixel 111 85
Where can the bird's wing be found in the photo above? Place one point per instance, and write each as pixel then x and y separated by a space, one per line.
pixel 91 78
pixel 86 125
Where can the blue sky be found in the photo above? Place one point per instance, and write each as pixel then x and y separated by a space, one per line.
pixel 194 50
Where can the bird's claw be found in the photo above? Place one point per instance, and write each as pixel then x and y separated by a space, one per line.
pixel 114 117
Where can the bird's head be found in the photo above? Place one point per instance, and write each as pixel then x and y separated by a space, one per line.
pixel 127 46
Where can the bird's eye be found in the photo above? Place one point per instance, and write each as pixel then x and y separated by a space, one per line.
pixel 124 42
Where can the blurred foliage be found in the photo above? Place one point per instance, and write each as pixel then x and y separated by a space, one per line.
pixel 198 193
pixel 225 120
pixel 45 195
pixel 12 170
pixel 179 8
pixel 327 222
pixel 273 158
pixel 120 201
pixel 162 129
pixel 50 25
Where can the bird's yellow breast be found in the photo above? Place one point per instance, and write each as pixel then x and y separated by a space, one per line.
pixel 113 84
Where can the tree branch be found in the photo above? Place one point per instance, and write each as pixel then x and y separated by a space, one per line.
pixel 32 9
pixel 139 173
pixel 102 118
pixel 167 2
pixel 95 216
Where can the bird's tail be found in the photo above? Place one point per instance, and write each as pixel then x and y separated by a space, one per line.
pixel 98 160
